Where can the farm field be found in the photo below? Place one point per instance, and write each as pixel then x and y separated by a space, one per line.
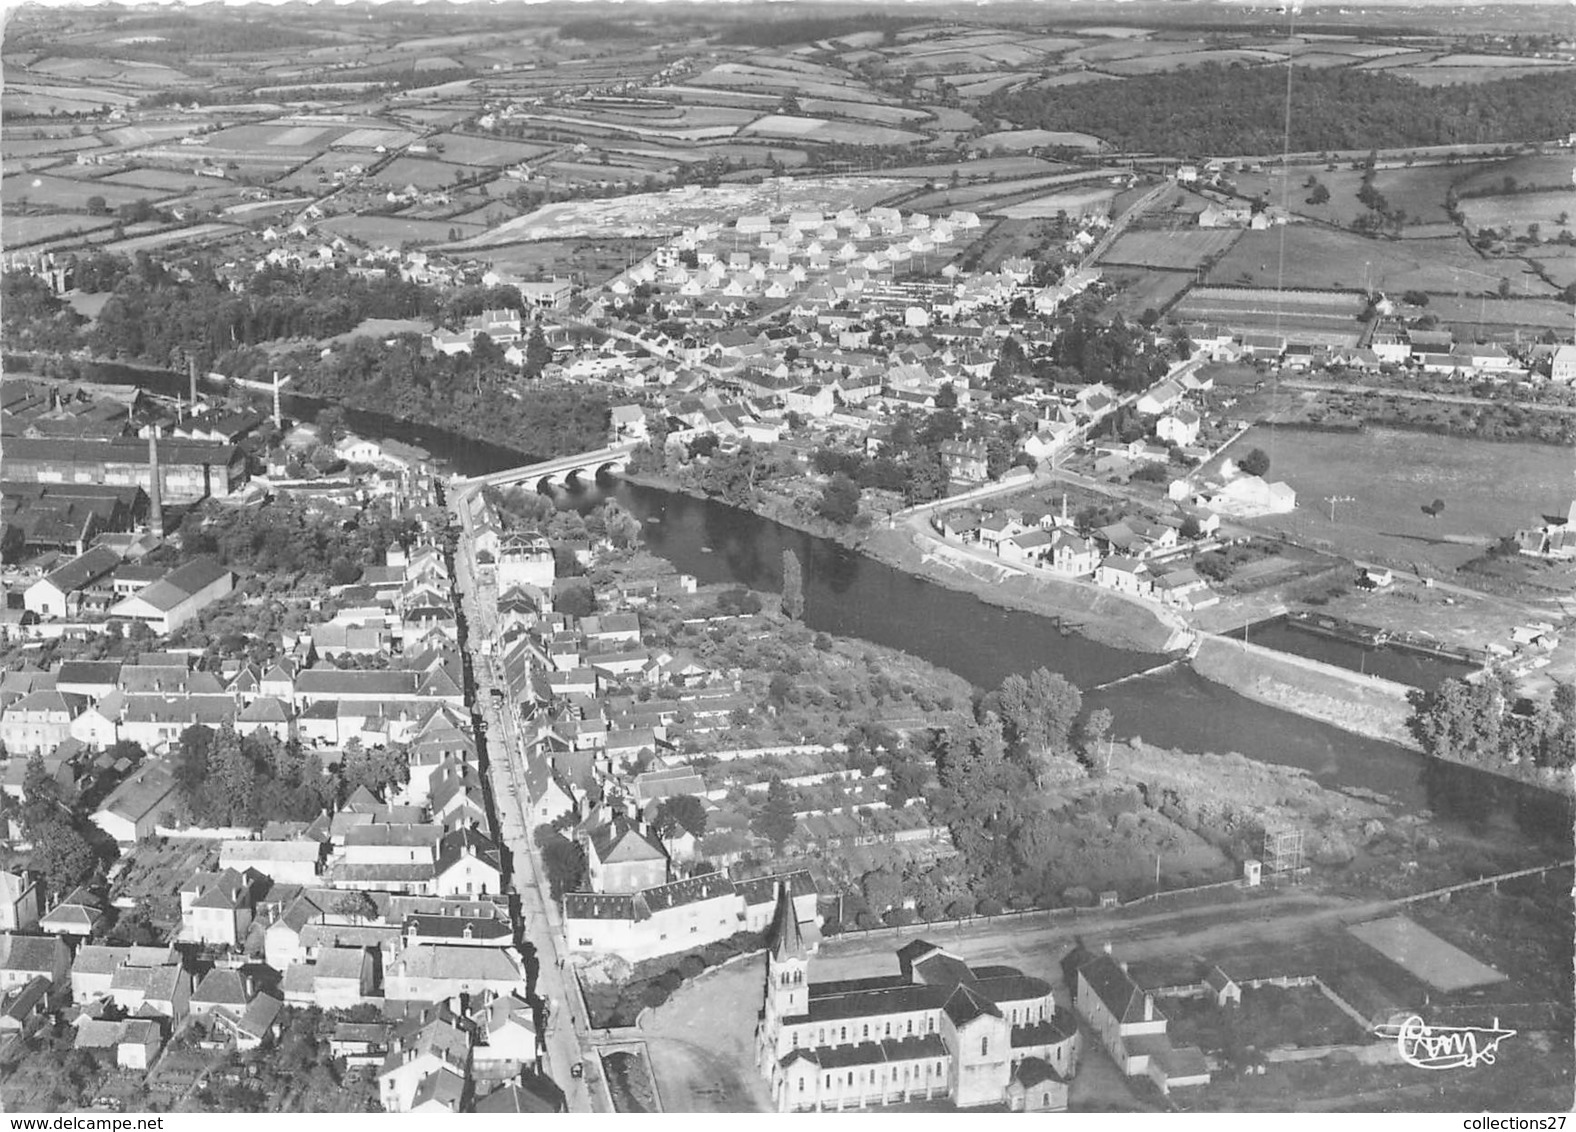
pixel 1418 191
pixel 1177 60
pixel 1551 171
pixel 973 196
pixel 68 194
pixel 995 168
pixel 157 179
pixel 38 147
pixel 15 230
pixel 469 150
pixel 1074 202
pixel 865 111
pixel 1516 213
pixel 422 173
pixel 825 130
pixel 1501 314
pixel 195 233
pixel 1329 317
pixel 1319 258
pixel 1489 488
pixel 1138 291
pixel 1035 139
pixel 1435 74
pixel 1185 249
pixel 376 231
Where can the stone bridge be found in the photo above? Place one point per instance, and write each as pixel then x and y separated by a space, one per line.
pixel 555 473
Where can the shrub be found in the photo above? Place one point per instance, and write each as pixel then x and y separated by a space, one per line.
pixel 653 994
pixel 691 966
pixel 990 906
pixel 1078 897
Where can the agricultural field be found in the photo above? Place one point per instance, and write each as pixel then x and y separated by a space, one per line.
pixel 1333 318
pixel 471 150
pixel 65 194
pixel 197 233
pixel 1138 291
pixel 1321 259
pixel 422 173
pixel 1418 191
pixel 826 130
pixel 1551 171
pixel 1185 249
pixel 1489 488
pixel 1550 211
pixel 1035 139
pixel 1495 317
pixel 168 179
pixel 982 196
pixel 1073 202
pixel 47 146
pixel 17 231
pixel 392 231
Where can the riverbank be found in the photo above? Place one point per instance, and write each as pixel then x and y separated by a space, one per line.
pixel 1364 705
pixel 1104 618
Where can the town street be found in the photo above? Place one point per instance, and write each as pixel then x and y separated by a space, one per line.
pixel 568 1031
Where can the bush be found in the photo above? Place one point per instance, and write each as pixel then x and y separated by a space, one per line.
pixel 990 906
pixel 653 994
pixel 1078 897
pixel 691 966
pixel 962 907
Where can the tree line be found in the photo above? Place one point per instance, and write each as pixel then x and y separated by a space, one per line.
pixel 1218 109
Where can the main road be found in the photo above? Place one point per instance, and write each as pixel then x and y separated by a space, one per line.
pixel 568 1030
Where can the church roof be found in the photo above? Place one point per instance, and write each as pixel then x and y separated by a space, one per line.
pixel 787 939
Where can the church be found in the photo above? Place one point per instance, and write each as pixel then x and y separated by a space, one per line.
pixel 939 1028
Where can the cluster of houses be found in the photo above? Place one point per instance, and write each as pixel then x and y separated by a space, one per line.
pixel 1144 557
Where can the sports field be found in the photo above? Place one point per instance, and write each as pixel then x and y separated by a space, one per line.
pixel 1439 964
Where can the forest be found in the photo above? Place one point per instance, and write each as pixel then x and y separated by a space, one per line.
pixel 1214 110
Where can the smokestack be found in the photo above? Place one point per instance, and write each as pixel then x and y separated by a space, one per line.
pixel 155 501
pixel 278 417
pixel 191 372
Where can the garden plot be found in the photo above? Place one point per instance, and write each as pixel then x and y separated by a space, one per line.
pixel 1423 954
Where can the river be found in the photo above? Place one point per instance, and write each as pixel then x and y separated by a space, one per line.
pixel 849 594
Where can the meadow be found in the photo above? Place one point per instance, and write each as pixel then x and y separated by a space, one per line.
pixel 1489 488
pixel 1184 249
pixel 1319 258
pixel 66 194
pixel 1515 213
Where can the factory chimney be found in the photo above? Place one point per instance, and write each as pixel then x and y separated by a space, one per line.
pixel 191 371
pixel 278 417
pixel 155 503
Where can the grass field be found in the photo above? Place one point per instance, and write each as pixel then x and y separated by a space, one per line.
pixel 422 173
pixel 1183 249
pixel 824 130
pixel 16 230
pixel 1517 212
pixel 1034 139
pixel 468 150
pixel 67 194
pixel 1489 489
pixel 1545 171
pixel 1523 314
pixel 1137 291
pixel 158 179
pixel 1074 202
pixel 1424 954
pixel 394 230
pixel 1321 259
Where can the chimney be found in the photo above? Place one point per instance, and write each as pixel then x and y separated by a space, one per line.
pixel 1122 963
pixel 1149 1008
pixel 191 373
pixel 1106 947
pixel 155 492
pixel 278 417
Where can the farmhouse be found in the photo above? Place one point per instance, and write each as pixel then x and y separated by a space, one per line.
pixel 1123 1014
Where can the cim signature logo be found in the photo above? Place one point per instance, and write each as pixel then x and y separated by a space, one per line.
pixel 1444 1047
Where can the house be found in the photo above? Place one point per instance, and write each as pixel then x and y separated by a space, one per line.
pixel 1125 575
pixel 1158 399
pixel 1124 1017
pixel 27 957
pixel 622 857
pixel 136 806
pixel 139 1044
pixel 217 908
pixel 1072 555
pixel 40 721
pixel 468 864
pixel 508 1037
pixel 184 592
pixel 283 862
pixel 966 460
pixel 1562 365
pixel 79 913
pixel 1179 426
pixel 419 1050
pixel 433 972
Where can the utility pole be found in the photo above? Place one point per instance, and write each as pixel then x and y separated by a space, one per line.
pixel 1332 500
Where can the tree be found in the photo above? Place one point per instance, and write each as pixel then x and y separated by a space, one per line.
pixel 1415 298
pixel 1255 463
pixel 683 811
pixel 62 854
pixel 1435 509
pixel 839 499
pixel 1320 194
pixel 775 821
pixel 1190 528
pixel 1096 728
pixel 793 586
pixel 1037 714
pixel 359 907
pixel 564 861
pixel 97 206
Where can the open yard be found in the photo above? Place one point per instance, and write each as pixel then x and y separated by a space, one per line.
pixel 1269 1017
pixel 1489 490
pixel 1424 954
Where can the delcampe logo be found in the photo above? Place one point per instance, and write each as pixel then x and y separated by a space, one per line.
pixel 1444 1047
